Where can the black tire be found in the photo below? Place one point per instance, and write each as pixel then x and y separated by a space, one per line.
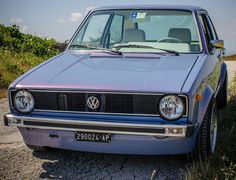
pixel 203 147
pixel 222 94
pixel 37 148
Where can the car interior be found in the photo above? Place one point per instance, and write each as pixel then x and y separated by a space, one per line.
pixel 182 36
pixel 161 29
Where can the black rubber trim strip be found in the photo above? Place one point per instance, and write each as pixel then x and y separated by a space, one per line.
pixel 189 131
pixel 92 127
pixel 5 120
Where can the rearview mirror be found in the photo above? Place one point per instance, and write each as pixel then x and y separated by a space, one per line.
pixel 219 44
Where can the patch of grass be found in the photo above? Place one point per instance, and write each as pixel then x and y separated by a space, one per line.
pixel 12 39
pixel 20 52
pixel 14 64
pixel 3 93
pixel 223 164
pixel 230 58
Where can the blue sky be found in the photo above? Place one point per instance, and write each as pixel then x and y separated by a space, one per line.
pixel 59 18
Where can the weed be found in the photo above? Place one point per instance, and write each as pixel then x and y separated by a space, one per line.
pixel 223 164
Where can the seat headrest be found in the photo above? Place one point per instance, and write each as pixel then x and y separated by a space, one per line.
pixel 134 35
pixel 183 34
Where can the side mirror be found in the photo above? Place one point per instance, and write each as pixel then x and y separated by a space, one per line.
pixel 218 44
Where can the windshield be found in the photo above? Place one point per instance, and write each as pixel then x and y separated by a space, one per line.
pixel 138 30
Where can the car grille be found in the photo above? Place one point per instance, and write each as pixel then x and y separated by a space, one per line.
pixel 133 104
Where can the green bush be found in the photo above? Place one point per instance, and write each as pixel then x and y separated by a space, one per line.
pixel 20 52
pixel 12 39
pixel 13 64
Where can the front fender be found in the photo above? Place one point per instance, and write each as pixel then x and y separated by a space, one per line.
pixel 207 94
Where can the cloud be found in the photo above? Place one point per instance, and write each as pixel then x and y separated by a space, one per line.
pixel 16 20
pixel 74 17
pixel 24 28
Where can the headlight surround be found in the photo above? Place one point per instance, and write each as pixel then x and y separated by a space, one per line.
pixel 24 101
pixel 171 107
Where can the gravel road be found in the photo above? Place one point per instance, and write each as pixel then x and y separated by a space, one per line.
pixel 19 162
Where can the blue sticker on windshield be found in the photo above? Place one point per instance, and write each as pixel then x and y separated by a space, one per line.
pixel 138 15
pixel 133 15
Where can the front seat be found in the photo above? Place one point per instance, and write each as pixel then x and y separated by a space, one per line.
pixel 134 35
pixel 183 34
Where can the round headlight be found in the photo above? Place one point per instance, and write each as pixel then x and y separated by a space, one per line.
pixel 24 101
pixel 171 107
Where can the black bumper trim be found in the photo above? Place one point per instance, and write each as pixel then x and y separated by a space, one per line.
pixel 5 120
pixel 92 127
pixel 190 131
pixel 166 130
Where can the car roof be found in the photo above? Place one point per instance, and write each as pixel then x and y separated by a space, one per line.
pixel 172 7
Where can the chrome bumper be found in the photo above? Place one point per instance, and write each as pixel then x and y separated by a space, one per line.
pixel 103 127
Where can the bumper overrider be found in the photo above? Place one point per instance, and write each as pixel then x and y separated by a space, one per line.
pixel 165 130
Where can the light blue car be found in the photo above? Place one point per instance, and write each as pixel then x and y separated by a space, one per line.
pixel 132 80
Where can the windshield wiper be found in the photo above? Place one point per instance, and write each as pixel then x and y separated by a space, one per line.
pixel 119 46
pixel 95 47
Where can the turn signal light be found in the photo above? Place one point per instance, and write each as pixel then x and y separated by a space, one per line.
pixel 198 97
pixel 175 131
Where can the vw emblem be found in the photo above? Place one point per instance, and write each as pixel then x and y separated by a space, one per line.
pixel 93 102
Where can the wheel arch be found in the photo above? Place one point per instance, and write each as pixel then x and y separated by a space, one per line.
pixel 208 95
pixel 223 75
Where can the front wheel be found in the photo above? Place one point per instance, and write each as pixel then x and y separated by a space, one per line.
pixel 222 94
pixel 206 139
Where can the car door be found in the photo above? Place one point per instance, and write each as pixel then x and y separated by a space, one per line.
pixel 215 56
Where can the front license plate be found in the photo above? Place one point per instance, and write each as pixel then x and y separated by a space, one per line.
pixel 93 137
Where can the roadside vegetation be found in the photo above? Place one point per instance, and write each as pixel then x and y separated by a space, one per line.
pixel 223 164
pixel 230 58
pixel 20 52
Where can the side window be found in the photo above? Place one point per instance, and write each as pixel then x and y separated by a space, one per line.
pixel 95 28
pixel 213 31
pixel 207 29
pixel 116 30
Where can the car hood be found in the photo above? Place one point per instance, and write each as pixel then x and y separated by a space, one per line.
pixel 111 73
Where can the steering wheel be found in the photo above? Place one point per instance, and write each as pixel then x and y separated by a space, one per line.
pixel 170 40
